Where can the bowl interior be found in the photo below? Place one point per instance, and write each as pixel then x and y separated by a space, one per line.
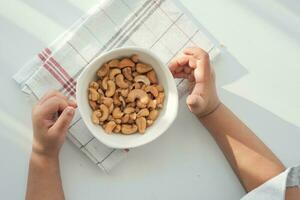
pixel 167 113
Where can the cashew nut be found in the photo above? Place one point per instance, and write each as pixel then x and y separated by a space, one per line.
pixel 141 124
pixel 153 115
pixel 143 68
pixel 125 118
pixel 139 104
pixel 124 92
pixel 109 126
pixel 111 88
pixel 127 73
pixel 135 86
pixel 143 112
pixel 94 85
pixel 135 58
pixel 103 70
pixel 117 129
pixel 149 122
pixel 113 73
pixel 143 79
pixel 93 105
pixel 121 82
pixel 152 76
pixel 129 110
pixel 132 116
pixel 104 82
pixel 159 88
pixel 117 113
pixel 134 74
pixel 126 62
pixel 160 98
pixel 95 116
pixel 152 104
pixel 122 100
pixel 107 101
pixel 118 121
pixel 113 63
pixel 93 94
pixel 111 108
pixel 152 90
pixel 128 129
pixel 138 94
pixel 104 112
pixel 116 99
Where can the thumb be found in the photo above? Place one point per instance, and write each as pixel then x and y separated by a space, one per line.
pixel 63 122
pixel 195 103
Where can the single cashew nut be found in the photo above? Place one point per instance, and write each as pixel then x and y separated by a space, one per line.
pixel 111 108
pixel 143 112
pixel 94 85
pixel 135 58
pixel 129 110
pixel 117 129
pixel 104 112
pixel 141 105
pixel 138 94
pixel 121 82
pixel 113 63
pixel 159 88
pixel 126 62
pixel 160 98
pixel 95 116
pixel 107 101
pixel 152 76
pixel 118 121
pixel 153 115
pixel 113 73
pixel 116 99
pixel 117 113
pixel 110 118
pixel 143 79
pixel 100 91
pixel 111 88
pixel 132 104
pixel 152 104
pixel 125 118
pixel 104 82
pixel 149 122
pixel 135 86
pixel 127 73
pixel 132 116
pixel 143 68
pixel 93 105
pixel 128 129
pixel 103 70
pixel 123 103
pixel 124 92
pixel 141 124
pixel 152 90
pixel 109 127
pixel 93 94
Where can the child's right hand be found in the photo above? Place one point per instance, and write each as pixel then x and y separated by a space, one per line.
pixel 193 64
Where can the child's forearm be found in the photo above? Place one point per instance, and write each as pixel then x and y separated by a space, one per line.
pixel 253 162
pixel 44 180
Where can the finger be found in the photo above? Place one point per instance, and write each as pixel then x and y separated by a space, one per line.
pixel 51 94
pixel 182 61
pixel 195 103
pixel 202 71
pixel 195 51
pixel 187 70
pixel 63 122
pixel 181 75
pixel 72 103
pixel 51 106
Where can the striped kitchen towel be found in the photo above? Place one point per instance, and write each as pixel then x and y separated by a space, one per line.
pixel 158 25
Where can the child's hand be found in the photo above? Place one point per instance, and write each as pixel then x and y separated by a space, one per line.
pixel 51 118
pixel 194 65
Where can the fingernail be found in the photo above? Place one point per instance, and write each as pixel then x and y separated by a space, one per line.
pixel 70 110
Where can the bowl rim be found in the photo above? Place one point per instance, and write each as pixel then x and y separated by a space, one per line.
pixel 175 103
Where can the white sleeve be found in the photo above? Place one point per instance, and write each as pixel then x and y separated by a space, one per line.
pixel 274 189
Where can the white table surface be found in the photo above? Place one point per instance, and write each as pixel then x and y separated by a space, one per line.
pixel 261 85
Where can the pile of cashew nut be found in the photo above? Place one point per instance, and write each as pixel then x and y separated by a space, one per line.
pixel 126 97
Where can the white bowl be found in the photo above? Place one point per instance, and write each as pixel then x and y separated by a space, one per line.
pixel 167 114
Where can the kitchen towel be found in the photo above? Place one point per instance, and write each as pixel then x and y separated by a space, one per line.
pixel 158 25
